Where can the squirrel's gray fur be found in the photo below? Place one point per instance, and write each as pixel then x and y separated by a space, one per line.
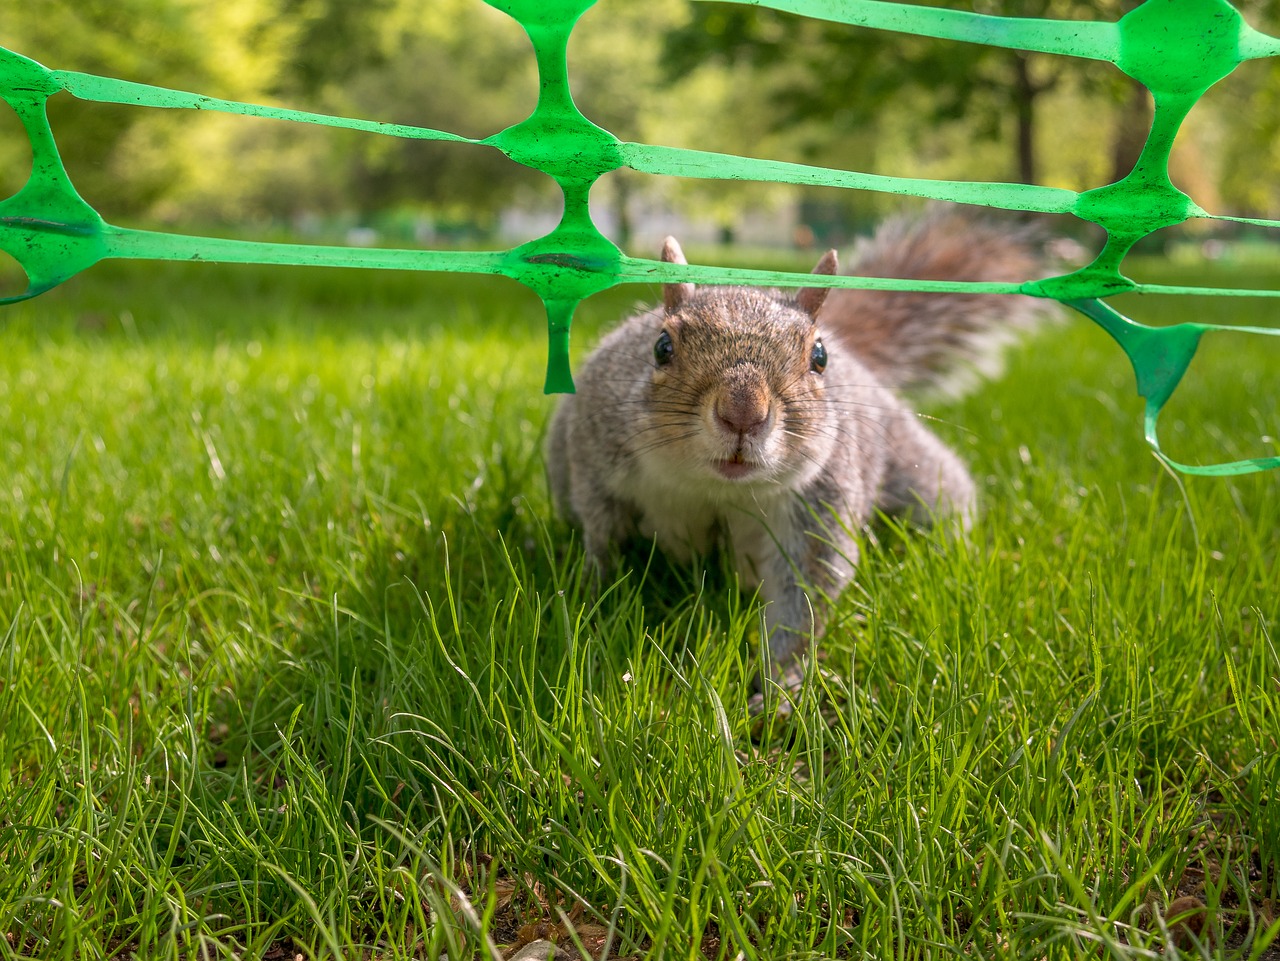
pixel 735 437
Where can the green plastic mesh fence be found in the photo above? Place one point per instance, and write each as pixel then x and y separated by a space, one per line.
pixel 1176 48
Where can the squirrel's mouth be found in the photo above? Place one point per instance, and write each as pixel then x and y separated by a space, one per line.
pixel 735 467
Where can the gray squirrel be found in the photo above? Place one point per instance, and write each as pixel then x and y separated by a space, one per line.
pixel 774 425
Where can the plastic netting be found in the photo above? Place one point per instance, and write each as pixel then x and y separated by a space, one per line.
pixel 1177 48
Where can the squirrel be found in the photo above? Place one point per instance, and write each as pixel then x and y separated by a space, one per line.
pixel 775 425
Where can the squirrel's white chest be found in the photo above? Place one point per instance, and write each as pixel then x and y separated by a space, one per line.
pixel 677 515
pixel 687 519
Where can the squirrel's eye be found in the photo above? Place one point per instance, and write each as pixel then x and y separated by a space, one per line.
pixel 818 358
pixel 663 349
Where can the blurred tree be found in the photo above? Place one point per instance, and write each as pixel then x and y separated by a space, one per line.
pixel 333 40
pixel 619 81
pixel 710 76
pixel 154 41
pixel 1243 116
pixel 455 65
pixel 851 77
pixel 459 66
pixel 616 82
pixel 1133 123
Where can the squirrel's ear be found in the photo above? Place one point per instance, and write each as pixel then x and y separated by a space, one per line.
pixel 673 295
pixel 811 299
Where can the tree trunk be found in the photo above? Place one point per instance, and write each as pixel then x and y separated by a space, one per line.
pixel 1024 108
pixel 1133 123
pixel 621 207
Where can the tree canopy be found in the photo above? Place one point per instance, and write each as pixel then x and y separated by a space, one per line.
pixel 717 76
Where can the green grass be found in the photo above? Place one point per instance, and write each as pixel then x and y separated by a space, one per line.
pixel 295 660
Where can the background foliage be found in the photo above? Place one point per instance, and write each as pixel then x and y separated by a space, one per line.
pixel 715 76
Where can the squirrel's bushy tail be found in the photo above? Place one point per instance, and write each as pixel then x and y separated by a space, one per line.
pixel 939 342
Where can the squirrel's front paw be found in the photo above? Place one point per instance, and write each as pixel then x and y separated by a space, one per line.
pixel 597 571
pixel 778 690
pixel 761 707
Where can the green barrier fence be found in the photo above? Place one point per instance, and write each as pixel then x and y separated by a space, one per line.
pixel 1177 48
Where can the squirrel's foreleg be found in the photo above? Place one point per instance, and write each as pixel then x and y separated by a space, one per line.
pixel 812 562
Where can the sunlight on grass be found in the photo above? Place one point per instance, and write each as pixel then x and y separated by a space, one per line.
pixel 295 660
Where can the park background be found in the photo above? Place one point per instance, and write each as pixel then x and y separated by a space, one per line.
pixel 710 76
pixel 295 660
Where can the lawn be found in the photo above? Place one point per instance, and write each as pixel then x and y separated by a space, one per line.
pixel 294 659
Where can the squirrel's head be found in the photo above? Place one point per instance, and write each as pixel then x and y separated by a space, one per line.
pixel 737 385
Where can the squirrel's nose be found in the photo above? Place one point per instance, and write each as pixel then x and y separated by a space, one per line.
pixel 742 411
